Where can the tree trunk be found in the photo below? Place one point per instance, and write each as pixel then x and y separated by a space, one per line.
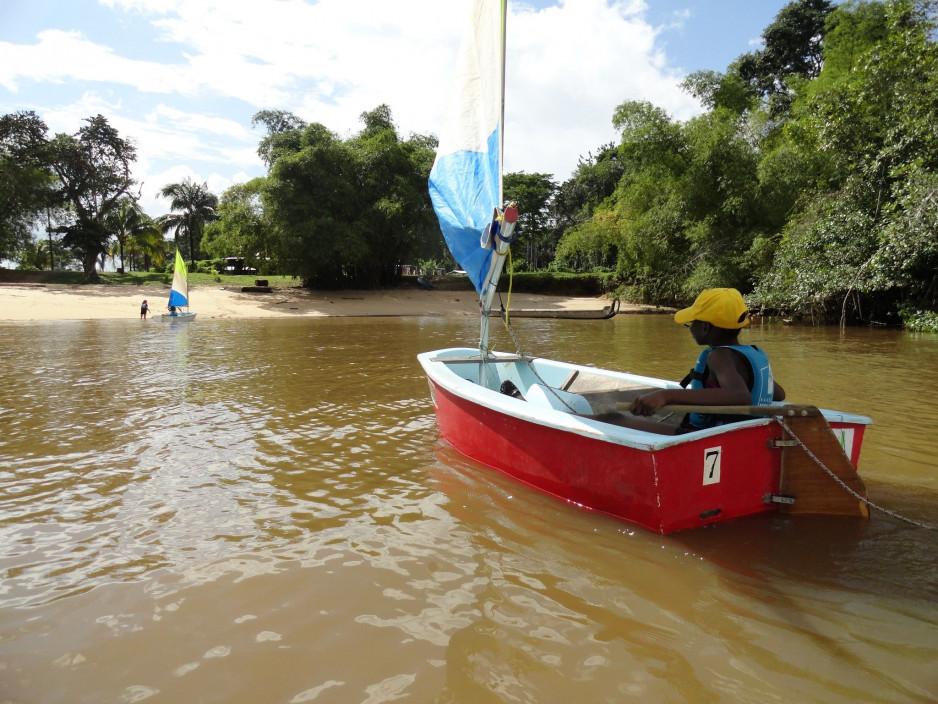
pixel 88 262
pixel 191 245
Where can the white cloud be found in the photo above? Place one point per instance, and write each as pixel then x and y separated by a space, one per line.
pixel 196 122
pixel 171 145
pixel 569 66
pixel 60 56
pixel 568 69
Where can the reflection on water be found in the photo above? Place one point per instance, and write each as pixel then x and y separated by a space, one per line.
pixel 243 511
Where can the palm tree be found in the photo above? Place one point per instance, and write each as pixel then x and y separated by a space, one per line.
pixel 127 221
pixel 34 254
pixel 196 206
pixel 147 246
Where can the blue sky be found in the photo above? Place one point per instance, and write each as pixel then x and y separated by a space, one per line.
pixel 182 78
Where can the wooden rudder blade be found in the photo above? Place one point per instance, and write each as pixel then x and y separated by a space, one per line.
pixel 815 491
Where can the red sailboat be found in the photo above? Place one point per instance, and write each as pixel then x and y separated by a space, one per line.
pixel 784 457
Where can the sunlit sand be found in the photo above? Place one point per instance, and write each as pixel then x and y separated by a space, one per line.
pixel 99 302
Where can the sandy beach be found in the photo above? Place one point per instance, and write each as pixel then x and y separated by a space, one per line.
pixel 24 302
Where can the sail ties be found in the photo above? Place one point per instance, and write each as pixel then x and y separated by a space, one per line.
pixel 499 233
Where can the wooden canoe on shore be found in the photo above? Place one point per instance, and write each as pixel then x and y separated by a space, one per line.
pixel 569 313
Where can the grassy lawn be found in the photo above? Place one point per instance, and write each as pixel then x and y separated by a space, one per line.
pixel 527 282
pixel 143 278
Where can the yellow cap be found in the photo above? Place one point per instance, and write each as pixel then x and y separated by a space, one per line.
pixel 723 307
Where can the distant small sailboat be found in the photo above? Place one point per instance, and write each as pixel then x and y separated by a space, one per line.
pixel 179 293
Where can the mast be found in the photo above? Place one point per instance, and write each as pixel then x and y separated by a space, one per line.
pixel 501 92
pixel 503 221
pixel 466 183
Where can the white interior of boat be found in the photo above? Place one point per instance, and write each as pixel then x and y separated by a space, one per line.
pixel 559 395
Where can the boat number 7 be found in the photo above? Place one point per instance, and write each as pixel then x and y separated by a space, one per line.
pixel 711 473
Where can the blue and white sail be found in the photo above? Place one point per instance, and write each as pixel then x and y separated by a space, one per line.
pixel 466 179
pixel 179 293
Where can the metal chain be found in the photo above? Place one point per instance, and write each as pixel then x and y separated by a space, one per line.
pixel 850 491
pixel 530 362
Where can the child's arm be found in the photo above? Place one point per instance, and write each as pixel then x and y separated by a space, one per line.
pixel 731 389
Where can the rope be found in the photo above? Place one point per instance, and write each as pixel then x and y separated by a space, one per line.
pixel 526 358
pixel 846 488
pixel 530 362
pixel 511 281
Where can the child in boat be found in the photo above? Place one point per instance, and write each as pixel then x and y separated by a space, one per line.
pixel 726 373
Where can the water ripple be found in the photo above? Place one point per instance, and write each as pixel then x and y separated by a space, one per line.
pixel 276 493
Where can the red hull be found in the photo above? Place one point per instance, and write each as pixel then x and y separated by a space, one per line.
pixel 686 485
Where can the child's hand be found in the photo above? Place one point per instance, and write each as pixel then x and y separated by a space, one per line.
pixel 647 404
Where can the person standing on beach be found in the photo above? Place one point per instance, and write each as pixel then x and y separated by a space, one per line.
pixel 144 309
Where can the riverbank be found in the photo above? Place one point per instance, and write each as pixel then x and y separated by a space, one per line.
pixel 24 301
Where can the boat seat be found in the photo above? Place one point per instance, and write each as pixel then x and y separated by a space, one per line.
pixel 603 393
pixel 540 395
pixel 606 395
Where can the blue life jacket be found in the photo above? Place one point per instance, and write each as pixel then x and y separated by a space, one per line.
pixel 761 393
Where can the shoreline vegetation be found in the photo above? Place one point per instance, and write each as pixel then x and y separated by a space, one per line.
pixel 810 182
pixel 35 296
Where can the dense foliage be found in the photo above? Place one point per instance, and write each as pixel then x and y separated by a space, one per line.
pixel 862 243
pixel 193 206
pixel 536 238
pixel 346 212
pixel 811 182
pixel 137 237
pixel 241 228
pixel 26 181
pixel 81 177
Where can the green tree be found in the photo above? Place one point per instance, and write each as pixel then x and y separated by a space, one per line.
pixel 242 228
pixel 27 184
pixel 793 50
pixel 593 181
pixel 906 255
pixel 194 206
pixel 852 30
pixel 349 212
pixel 35 255
pixel 398 215
pixel 146 246
pixel 311 197
pixel 127 222
pixel 727 91
pixel 93 168
pixel 533 194
pixel 283 134
pixel 859 245
pixel 685 213
pixel 591 244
